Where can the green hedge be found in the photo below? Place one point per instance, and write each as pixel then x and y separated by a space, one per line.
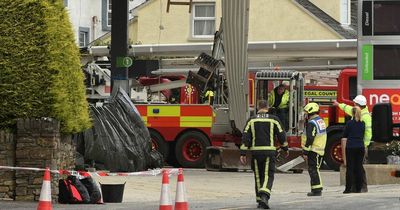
pixel 40 72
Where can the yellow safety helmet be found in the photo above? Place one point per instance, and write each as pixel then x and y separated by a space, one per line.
pixel 311 108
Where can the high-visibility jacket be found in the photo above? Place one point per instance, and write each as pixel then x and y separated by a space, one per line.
pixel 284 101
pixel 209 93
pixel 365 117
pixel 314 136
pixel 260 132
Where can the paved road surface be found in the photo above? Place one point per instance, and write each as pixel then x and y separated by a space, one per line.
pixel 235 190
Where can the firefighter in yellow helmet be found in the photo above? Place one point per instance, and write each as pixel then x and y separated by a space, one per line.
pixel 209 95
pixel 313 142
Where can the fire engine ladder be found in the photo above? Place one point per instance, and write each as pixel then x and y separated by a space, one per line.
pixel 94 70
pixel 166 86
pixel 296 94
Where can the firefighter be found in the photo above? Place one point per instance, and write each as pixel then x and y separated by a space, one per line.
pixel 361 102
pixel 313 142
pixel 209 96
pixel 278 99
pixel 258 137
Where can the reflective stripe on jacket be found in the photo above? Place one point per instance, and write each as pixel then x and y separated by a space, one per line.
pixel 365 117
pixel 284 102
pixel 319 135
pixel 260 132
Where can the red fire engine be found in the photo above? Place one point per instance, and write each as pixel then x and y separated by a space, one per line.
pixel 180 126
pixel 182 131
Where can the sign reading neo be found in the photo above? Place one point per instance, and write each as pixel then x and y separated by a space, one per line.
pixel 392 96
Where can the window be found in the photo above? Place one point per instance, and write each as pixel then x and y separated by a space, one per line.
pixel 203 25
pixel 345 12
pixel 106 15
pixel 109 3
pixel 82 39
pixel 83 36
pixel 66 3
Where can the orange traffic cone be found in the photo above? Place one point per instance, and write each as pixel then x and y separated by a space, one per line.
pixel 45 193
pixel 180 198
pixel 165 199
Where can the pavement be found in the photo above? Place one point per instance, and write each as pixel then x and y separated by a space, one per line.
pixel 235 190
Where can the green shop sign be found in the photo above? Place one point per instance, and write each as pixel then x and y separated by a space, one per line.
pixel 367 62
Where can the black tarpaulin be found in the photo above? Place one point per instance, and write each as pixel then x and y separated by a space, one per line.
pixel 119 139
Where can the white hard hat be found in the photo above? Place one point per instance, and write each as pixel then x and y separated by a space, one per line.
pixel 286 83
pixel 361 100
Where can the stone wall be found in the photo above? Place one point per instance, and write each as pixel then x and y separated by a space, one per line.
pixel 67 152
pixel 38 144
pixel 7 158
pixel 376 174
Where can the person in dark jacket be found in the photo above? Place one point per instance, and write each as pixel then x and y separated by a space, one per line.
pixel 258 137
pixel 353 135
pixel 361 102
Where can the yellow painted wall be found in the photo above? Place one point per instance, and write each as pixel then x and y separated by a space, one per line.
pixel 132 32
pixel 330 7
pixel 270 20
pixel 176 24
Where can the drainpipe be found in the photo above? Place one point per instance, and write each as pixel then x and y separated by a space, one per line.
pixel 94 26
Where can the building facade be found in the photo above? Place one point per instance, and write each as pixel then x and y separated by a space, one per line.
pixel 91 19
pixel 291 34
pixel 269 20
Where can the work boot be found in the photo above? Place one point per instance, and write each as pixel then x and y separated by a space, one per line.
pixel 264 202
pixel 364 189
pixel 347 190
pixel 315 193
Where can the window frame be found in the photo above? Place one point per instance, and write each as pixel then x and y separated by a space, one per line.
pixel 345 16
pixel 194 18
pixel 104 15
pixel 108 14
pixel 86 31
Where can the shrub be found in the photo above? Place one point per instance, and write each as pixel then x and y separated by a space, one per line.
pixel 40 72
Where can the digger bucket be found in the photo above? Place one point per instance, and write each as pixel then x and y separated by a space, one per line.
pixel 225 159
pixel 207 62
pixel 292 163
pixel 228 159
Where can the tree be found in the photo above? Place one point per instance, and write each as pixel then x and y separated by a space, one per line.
pixel 40 70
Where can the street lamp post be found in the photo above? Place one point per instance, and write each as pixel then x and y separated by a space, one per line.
pixel 119 46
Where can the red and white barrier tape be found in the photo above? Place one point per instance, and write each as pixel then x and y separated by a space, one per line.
pixel 28 169
pixel 154 172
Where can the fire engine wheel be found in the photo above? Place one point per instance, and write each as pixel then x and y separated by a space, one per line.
pixel 191 149
pixel 158 143
pixel 333 152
